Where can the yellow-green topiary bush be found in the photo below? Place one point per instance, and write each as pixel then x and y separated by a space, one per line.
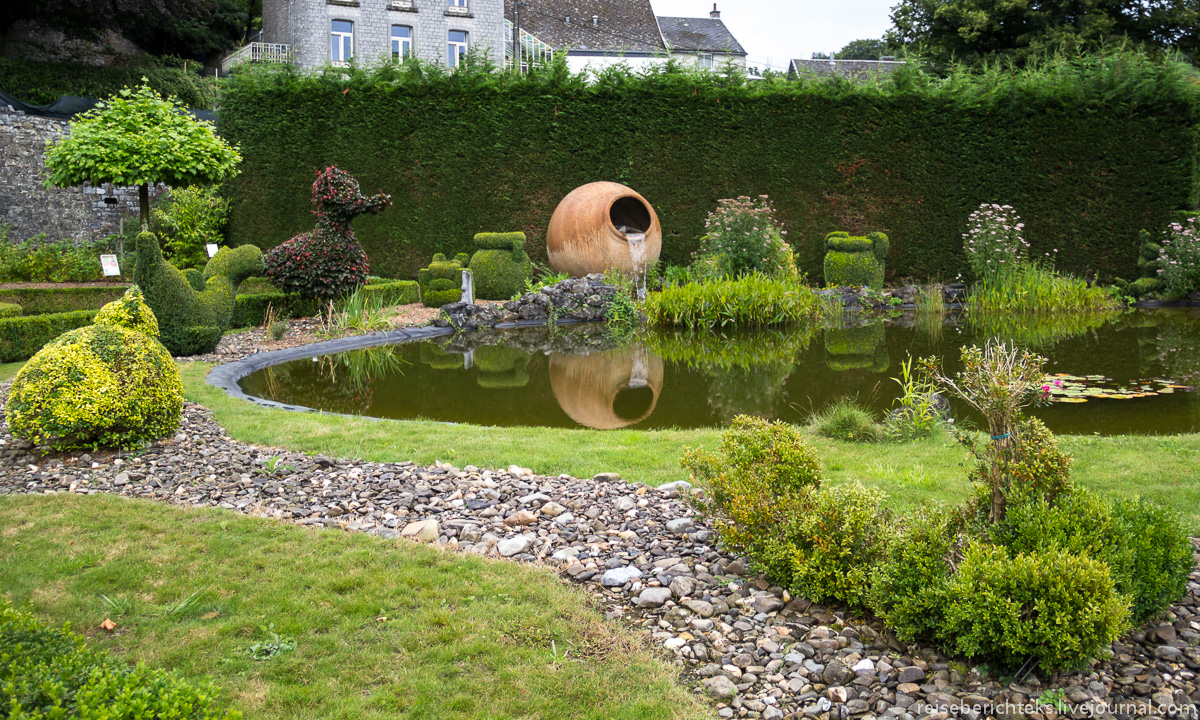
pixel 130 312
pixel 104 385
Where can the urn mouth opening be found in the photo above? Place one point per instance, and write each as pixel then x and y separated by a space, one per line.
pixel 629 215
pixel 633 403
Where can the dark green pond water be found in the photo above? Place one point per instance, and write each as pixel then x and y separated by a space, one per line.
pixel 1126 373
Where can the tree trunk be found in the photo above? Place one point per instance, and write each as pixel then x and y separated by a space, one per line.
pixel 144 205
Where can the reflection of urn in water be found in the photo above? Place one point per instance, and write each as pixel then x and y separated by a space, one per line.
pixel 602 226
pixel 607 390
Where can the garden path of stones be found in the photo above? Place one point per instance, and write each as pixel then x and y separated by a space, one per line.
pixel 751 648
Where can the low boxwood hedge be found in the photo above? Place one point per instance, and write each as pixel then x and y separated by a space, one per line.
pixel 21 337
pixel 251 310
pixel 394 292
pixel 43 301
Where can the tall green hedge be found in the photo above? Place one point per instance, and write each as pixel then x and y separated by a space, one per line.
pixel 41 83
pixel 1089 152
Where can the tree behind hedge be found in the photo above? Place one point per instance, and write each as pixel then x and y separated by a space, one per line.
pixel 137 138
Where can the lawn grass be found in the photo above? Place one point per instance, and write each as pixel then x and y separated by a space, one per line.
pixel 383 628
pixel 1161 468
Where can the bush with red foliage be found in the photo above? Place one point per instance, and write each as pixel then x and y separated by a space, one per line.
pixel 327 262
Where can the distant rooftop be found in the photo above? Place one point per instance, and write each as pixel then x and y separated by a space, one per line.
pixel 848 68
pixel 699 34
pixel 614 26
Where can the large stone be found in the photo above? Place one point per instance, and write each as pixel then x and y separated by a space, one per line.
pixel 836 673
pixel 619 576
pixel 700 607
pixel 720 687
pixel 520 517
pixel 653 597
pixel 514 546
pixel 552 509
pixel 423 530
pixel 911 674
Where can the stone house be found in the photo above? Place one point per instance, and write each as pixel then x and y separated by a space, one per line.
pixel 313 33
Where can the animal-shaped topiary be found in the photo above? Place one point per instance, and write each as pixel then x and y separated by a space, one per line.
pixel 191 322
pixel 855 261
pixel 110 384
pixel 327 262
pixel 1149 262
pixel 500 266
pixel 441 282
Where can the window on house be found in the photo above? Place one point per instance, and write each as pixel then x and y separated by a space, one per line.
pixel 704 61
pixel 457 4
pixel 456 47
pixel 341 41
pixel 401 42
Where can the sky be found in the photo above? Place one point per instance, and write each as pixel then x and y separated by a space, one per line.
pixel 775 31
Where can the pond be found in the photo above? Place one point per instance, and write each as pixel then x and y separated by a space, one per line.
pixel 1136 372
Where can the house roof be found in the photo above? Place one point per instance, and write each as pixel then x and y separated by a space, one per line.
pixel 699 34
pixel 848 68
pixel 621 26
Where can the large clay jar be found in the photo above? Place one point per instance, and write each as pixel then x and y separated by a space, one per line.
pixel 585 234
pixel 607 390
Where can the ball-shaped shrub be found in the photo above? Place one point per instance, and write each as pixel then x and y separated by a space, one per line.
pixel 131 312
pixel 98 386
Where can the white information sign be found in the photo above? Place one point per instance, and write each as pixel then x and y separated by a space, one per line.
pixel 110 265
pixel 212 249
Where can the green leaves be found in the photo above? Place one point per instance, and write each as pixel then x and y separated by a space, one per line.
pixel 137 138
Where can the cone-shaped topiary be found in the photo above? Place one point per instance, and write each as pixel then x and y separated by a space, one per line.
pixel 500 266
pixel 327 262
pixel 191 322
pixel 104 385
pixel 855 261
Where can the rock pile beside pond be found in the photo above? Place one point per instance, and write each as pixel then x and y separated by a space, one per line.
pixel 751 647
pixel 585 299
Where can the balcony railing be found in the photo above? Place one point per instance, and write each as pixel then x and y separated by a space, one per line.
pixel 257 52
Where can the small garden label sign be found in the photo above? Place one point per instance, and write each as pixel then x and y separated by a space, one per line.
pixel 110 265
pixel 212 249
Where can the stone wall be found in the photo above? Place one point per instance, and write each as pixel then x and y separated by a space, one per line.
pixel 29 208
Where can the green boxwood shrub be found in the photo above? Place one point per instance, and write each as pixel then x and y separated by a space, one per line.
pixel 251 310
pixel 99 386
pixel 908 589
pixel 441 282
pixel 192 322
pixel 1054 606
pixel 500 267
pixel 9 310
pixel 394 292
pixel 48 673
pixel 44 301
pixel 855 261
pixel 130 312
pixel 21 337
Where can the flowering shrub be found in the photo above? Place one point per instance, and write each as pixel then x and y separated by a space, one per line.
pixel 327 262
pixel 993 241
pixel 742 237
pixel 1179 259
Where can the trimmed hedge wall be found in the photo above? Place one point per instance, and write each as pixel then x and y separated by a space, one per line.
pixel 41 301
pixel 394 292
pixel 1089 153
pixel 22 337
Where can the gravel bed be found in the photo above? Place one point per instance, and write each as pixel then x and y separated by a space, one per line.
pixel 754 650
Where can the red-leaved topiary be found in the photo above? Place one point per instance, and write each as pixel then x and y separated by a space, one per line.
pixel 327 262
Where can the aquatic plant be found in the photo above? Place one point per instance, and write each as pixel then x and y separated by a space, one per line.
pixel 993 242
pixel 752 301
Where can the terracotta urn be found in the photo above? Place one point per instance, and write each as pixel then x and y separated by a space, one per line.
pixel 607 390
pixel 591 228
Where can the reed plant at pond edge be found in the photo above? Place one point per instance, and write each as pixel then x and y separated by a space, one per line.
pixel 1032 289
pixel 751 301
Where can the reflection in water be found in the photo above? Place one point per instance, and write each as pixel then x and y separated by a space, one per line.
pixel 607 390
pixel 856 348
pixel 1035 333
pixel 579 376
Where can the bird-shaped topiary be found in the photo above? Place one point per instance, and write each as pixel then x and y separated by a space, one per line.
pixel 327 262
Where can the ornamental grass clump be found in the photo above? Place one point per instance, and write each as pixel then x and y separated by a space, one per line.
pixel 742 237
pixel 751 301
pixel 1179 260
